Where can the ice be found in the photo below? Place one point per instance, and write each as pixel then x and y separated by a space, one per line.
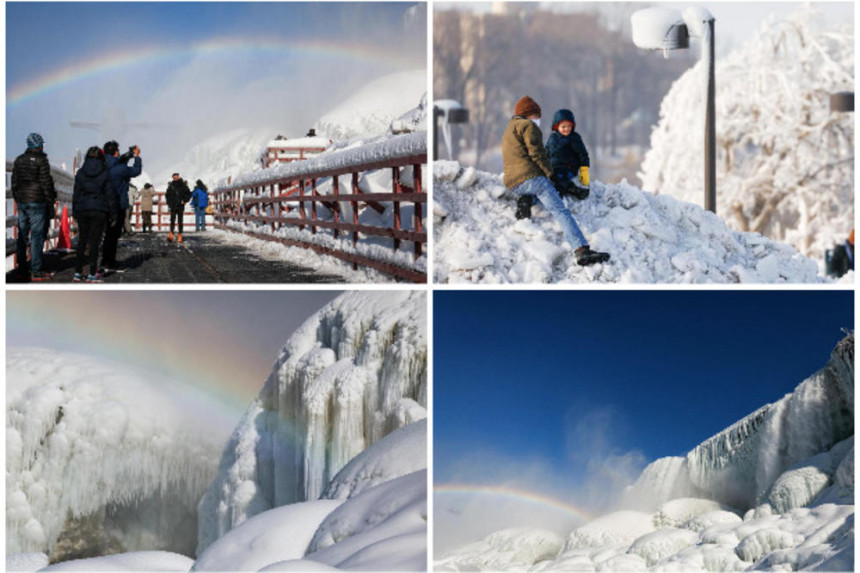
pixel 678 512
pixel 101 456
pixel 280 534
pixel 620 527
pixel 350 375
pixel 136 561
pixel 509 548
pixel 653 547
pixel 26 561
pixel 652 238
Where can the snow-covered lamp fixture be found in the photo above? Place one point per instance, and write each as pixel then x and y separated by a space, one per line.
pixel 450 111
pixel 666 29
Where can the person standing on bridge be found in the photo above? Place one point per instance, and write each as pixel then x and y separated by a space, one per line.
pixel 528 173
pixel 146 201
pixel 93 204
pixel 121 175
pixel 178 194
pixel 200 200
pixel 33 190
pixel 133 196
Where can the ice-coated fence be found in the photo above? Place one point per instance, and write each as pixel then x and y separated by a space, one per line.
pixel 336 205
pixel 64 183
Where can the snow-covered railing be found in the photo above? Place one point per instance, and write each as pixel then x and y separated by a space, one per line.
pixel 283 204
pixel 64 182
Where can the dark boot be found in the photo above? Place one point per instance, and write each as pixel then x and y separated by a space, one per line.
pixel 524 206
pixel 585 256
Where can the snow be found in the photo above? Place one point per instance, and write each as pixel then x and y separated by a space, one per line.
pixel 279 534
pixel 350 375
pixel 370 110
pixel 785 162
pixel 792 462
pixel 649 27
pixel 97 453
pixel 26 561
pixel 136 561
pixel 299 143
pixel 652 239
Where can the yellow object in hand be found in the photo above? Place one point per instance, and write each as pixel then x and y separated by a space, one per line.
pixel 583 175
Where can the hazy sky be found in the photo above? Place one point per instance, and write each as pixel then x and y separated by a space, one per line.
pixel 568 393
pixel 192 69
pixel 220 342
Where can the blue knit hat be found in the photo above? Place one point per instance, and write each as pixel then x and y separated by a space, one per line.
pixel 35 141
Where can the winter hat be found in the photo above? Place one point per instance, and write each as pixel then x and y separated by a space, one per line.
pixel 35 141
pixel 148 186
pixel 526 106
pixel 562 115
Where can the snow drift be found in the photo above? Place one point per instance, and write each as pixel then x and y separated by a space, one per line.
pixel 785 162
pixel 100 459
pixel 652 238
pixel 352 374
pixel 774 491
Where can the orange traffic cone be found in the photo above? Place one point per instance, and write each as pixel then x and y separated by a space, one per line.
pixel 64 241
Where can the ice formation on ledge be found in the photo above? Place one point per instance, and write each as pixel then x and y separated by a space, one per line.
pixel 652 238
pixel 350 375
pixel 739 465
pixel 99 459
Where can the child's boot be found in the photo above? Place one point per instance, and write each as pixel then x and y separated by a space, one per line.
pixel 524 206
pixel 585 256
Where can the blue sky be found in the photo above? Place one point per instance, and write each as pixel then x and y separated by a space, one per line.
pixel 517 372
pixel 197 94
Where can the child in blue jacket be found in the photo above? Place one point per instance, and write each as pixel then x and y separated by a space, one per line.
pixel 568 156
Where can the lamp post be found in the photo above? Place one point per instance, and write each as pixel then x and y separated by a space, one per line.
pixel 665 29
pixel 450 111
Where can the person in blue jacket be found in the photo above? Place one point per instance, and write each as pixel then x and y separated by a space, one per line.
pixel 94 203
pixel 200 200
pixel 121 174
pixel 569 158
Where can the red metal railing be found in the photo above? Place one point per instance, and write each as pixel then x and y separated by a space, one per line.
pixel 289 199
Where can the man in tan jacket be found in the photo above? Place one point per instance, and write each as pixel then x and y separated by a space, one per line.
pixel 528 172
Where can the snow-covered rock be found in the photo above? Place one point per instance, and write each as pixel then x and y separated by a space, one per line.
pixel 651 238
pixel 618 528
pixel 100 458
pixel 135 561
pixel 515 548
pixel 353 373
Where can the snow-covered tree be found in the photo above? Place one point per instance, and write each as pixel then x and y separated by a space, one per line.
pixel 785 162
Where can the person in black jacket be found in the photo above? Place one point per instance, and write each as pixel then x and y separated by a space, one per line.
pixel 34 192
pixel 121 174
pixel 94 203
pixel 177 196
pixel 569 158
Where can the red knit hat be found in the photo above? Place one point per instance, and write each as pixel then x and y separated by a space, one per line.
pixel 526 106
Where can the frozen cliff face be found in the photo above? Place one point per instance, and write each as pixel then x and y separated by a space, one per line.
pixel 739 465
pixel 100 459
pixel 353 373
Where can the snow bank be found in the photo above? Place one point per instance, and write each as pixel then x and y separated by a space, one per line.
pixel 785 162
pixel 618 528
pixel 100 458
pixel 26 561
pixel 652 239
pixel 136 561
pixel 516 548
pixel 280 534
pixel 353 373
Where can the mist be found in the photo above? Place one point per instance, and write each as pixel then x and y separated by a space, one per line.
pixel 256 78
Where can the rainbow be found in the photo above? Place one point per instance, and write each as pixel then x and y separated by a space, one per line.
pixel 515 494
pixel 104 64
pixel 118 326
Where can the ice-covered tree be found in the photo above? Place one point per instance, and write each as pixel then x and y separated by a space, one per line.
pixel 785 162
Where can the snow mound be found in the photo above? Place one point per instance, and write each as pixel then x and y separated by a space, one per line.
pixel 279 534
pixel 100 456
pixel 677 512
pixel 785 162
pixel 135 561
pixel 652 239
pixel 505 549
pixel 667 541
pixel 399 453
pixel 382 528
pixel 350 375
pixel 370 111
pixel 618 528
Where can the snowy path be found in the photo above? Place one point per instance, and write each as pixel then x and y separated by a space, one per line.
pixel 210 257
pixel 652 239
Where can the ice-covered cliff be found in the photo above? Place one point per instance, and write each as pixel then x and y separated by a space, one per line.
pixel 739 465
pixel 100 459
pixel 349 376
